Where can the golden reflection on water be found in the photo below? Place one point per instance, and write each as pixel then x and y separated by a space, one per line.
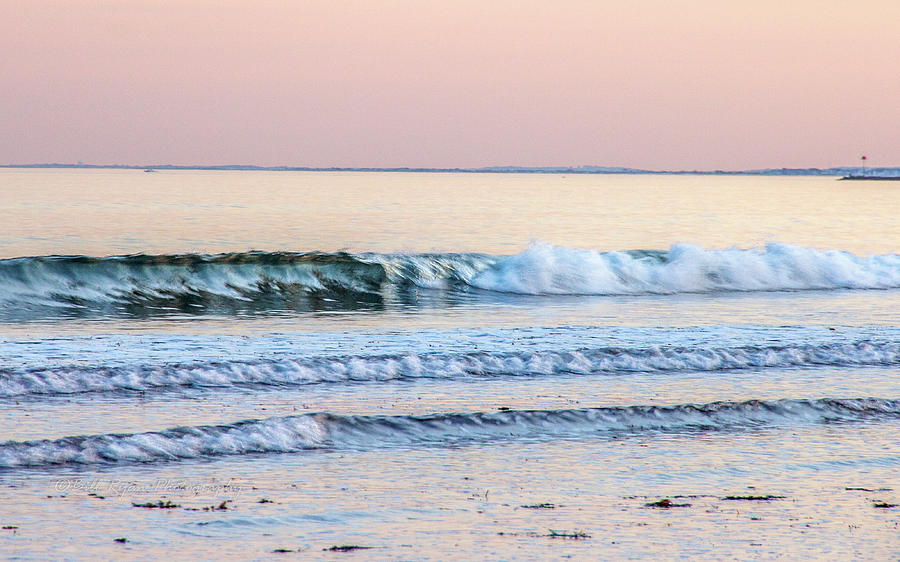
pixel 102 212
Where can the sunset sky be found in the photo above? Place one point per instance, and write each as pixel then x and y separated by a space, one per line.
pixel 652 84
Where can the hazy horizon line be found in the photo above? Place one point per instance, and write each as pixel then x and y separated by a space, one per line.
pixel 583 169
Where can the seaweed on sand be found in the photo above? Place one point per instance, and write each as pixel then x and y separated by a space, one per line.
pixel 158 505
pixel 753 498
pixel 346 548
pixel 666 503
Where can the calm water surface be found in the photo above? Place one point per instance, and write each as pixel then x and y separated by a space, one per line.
pixel 102 212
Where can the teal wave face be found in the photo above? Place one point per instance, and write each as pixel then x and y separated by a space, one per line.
pixel 222 283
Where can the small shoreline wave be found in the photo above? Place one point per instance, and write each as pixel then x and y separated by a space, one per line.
pixel 37 382
pixel 351 432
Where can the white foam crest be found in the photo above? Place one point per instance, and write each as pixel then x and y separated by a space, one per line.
pixel 545 269
pixel 337 370
pixel 257 436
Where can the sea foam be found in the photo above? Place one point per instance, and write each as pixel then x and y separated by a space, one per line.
pixel 610 361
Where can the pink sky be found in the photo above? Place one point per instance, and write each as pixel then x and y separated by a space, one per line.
pixel 643 83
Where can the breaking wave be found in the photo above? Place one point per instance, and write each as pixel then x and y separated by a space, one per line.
pixel 286 372
pixel 227 282
pixel 545 269
pixel 314 431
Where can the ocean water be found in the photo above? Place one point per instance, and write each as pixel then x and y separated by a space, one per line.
pixel 433 366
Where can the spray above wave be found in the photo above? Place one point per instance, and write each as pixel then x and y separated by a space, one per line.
pixel 302 281
pixel 336 370
pixel 312 431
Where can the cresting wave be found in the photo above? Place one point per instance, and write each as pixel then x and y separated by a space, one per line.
pixel 87 378
pixel 297 280
pixel 313 431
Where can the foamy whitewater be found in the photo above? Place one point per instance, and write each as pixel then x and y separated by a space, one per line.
pixel 165 384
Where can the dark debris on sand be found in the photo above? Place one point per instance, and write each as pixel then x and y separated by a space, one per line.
pixel 553 534
pixel 158 505
pixel 221 507
pixel 567 534
pixel 666 503
pixel 753 498
pixel 346 548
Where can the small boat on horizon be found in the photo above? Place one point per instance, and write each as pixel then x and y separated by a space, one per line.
pixel 148 170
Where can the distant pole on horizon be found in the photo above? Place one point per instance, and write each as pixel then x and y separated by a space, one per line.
pixel 864 164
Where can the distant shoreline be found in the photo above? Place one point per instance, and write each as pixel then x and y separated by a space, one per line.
pixel 597 170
